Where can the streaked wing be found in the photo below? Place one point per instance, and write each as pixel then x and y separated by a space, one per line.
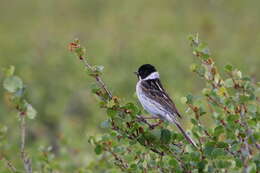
pixel 153 89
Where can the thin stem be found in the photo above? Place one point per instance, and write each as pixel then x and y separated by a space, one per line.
pixel 9 164
pixel 22 135
pixel 120 160
pixel 26 161
pixel 98 78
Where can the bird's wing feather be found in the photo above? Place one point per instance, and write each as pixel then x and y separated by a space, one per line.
pixel 154 90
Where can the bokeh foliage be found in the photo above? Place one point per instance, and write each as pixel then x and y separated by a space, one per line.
pixel 120 35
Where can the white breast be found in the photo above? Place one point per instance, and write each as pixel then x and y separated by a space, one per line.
pixel 149 105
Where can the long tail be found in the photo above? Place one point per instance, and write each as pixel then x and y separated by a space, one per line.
pixel 188 138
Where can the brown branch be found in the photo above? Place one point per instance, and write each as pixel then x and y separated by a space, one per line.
pixel 140 118
pixel 219 104
pixel 98 78
pixel 9 164
pixel 120 160
pixel 245 147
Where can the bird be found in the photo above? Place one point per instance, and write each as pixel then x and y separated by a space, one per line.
pixel 155 99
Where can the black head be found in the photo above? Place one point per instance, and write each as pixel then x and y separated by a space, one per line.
pixel 145 70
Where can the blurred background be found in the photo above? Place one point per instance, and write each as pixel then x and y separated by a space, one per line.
pixel 121 35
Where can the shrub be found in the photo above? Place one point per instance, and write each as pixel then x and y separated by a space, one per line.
pixel 229 144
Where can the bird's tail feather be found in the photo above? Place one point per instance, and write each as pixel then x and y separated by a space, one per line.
pixel 187 137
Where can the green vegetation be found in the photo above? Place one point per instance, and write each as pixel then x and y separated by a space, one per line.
pixel 230 143
pixel 120 35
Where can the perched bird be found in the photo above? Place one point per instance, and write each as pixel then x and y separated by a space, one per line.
pixel 154 98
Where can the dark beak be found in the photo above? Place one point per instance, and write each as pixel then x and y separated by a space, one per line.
pixel 136 73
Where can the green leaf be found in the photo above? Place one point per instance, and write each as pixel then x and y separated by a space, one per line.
pixel 202 111
pixel 94 87
pixel 206 91
pixel 80 51
pixel 228 68
pixel 201 165
pixel 133 166
pixel 223 164
pixel 247 78
pixel 9 71
pixel 194 122
pixel 30 111
pixel 209 147
pixel 189 99
pixel 229 83
pixel 239 162
pixel 217 152
pixel 252 108
pixel 195 156
pixel 173 162
pixel 111 112
pixel 98 149
pixel 132 107
pixel 193 67
pixel 155 134
pixel 111 103
pixel 165 136
pixel 222 145
pixel 184 100
pixel 13 83
pixel 232 118
pixel 218 130
pixel 235 147
pixel 203 48
pixel 244 98
pixel 201 71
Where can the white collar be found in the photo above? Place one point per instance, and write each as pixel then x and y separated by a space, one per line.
pixel 154 75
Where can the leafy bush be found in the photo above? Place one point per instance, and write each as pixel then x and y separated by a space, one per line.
pixel 228 143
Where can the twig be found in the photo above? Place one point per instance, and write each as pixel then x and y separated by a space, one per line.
pixel 245 146
pixel 98 78
pixel 22 134
pixel 121 161
pixel 26 160
pixel 219 104
pixel 9 164
pixel 142 119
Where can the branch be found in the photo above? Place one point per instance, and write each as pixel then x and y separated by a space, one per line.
pixel 97 77
pixel 9 164
pixel 26 160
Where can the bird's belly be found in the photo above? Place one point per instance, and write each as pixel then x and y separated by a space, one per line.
pixel 149 105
